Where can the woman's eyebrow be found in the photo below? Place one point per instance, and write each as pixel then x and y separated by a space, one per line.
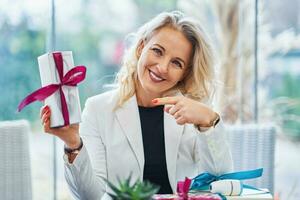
pixel 160 46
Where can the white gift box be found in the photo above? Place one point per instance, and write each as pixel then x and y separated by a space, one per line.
pixel 49 75
pixel 229 187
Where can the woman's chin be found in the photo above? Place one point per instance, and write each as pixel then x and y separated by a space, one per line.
pixel 154 91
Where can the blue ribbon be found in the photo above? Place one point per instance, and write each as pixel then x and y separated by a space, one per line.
pixel 203 181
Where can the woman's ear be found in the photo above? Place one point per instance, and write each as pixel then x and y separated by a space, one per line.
pixel 140 48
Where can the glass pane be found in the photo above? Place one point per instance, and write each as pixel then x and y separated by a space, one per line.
pixel 231 25
pixel 23 27
pixel 96 32
pixel 279 83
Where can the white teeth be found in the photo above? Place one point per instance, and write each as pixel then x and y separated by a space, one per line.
pixel 155 77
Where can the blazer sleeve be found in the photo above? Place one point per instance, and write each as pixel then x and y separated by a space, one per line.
pixel 85 176
pixel 212 151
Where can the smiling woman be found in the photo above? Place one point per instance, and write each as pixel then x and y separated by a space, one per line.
pixel 162 63
pixel 150 126
pixel 179 41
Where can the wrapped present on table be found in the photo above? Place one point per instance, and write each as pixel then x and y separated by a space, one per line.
pixel 208 186
pixel 190 197
pixel 183 188
pixel 59 79
pixel 229 184
pixel 225 186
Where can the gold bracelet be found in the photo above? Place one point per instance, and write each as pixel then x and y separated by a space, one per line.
pixel 216 121
pixel 212 124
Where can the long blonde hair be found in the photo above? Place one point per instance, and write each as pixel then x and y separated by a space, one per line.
pixel 197 83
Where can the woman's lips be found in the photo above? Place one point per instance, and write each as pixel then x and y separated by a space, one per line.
pixel 155 78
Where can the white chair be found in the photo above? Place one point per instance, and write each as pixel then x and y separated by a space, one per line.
pixel 15 172
pixel 253 146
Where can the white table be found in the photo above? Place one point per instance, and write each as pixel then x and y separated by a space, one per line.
pixel 249 194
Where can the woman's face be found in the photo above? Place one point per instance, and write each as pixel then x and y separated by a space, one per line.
pixel 163 60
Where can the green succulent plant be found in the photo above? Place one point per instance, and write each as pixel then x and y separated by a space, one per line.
pixel 137 191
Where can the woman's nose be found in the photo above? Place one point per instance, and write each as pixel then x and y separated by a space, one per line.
pixel 163 67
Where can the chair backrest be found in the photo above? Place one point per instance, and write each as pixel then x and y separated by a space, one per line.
pixel 15 172
pixel 253 146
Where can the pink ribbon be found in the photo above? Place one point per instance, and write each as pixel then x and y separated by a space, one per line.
pixel 71 78
pixel 183 188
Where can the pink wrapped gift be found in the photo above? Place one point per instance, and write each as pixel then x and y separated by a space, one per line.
pixel 183 193
pixel 207 196
pixel 165 196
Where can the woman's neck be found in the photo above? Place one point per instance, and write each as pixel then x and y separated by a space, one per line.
pixel 145 98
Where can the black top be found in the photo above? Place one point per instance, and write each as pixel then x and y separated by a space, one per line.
pixel 155 169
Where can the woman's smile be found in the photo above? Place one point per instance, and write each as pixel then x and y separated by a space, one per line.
pixel 155 77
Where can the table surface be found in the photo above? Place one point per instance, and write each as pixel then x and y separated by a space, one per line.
pixel 249 194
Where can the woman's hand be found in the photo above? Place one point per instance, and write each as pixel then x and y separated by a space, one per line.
pixel 69 134
pixel 186 110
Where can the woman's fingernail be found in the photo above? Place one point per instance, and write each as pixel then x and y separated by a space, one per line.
pixel 154 100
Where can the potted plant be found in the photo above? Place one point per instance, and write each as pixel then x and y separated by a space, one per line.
pixel 137 191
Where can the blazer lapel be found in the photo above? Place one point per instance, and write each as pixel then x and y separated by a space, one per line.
pixel 173 133
pixel 128 117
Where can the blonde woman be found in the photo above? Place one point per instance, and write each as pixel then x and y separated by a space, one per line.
pixel 155 125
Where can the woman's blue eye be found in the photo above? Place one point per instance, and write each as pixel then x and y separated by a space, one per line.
pixel 157 51
pixel 177 63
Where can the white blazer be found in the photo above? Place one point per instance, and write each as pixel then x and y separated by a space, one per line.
pixel 113 147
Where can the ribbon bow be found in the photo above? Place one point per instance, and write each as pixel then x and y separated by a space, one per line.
pixel 183 188
pixel 202 181
pixel 71 78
